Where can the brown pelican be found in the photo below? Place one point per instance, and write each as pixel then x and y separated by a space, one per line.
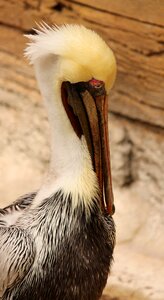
pixel 57 243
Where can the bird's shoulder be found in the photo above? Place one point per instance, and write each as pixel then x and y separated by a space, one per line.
pixel 10 214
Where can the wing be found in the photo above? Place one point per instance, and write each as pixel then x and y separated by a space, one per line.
pixel 17 254
pixel 10 214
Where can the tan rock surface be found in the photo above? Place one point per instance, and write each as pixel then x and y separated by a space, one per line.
pixel 136 127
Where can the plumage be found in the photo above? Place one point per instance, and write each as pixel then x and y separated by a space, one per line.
pixel 82 51
pixel 11 213
pixel 57 243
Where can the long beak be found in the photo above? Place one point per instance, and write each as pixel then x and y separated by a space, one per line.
pixel 87 108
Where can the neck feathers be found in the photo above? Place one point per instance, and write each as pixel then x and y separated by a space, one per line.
pixel 73 176
pixel 71 168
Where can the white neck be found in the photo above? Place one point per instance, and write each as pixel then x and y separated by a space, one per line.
pixel 70 165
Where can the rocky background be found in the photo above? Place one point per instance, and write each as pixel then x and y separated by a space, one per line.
pixel 135 31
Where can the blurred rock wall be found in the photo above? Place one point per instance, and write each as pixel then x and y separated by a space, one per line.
pixel 135 31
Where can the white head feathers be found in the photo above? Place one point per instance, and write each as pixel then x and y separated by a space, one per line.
pixel 82 53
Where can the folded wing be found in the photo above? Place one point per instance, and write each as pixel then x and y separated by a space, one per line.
pixel 17 255
pixel 10 214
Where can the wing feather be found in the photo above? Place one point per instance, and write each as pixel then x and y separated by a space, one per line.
pixel 10 214
pixel 17 254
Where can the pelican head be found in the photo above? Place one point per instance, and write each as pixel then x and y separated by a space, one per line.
pixel 76 69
